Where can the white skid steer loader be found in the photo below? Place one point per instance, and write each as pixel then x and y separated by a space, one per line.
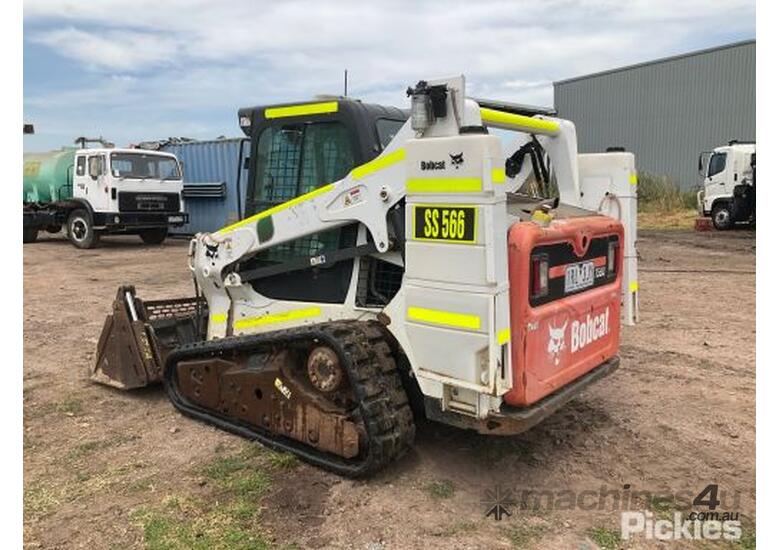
pixel 420 277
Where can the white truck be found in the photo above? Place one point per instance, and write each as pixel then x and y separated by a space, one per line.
pixel 728 193
pixel 99 191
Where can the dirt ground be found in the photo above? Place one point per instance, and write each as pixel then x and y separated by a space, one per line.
pixel 106 469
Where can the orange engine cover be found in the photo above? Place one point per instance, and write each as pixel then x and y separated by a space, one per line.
pixel 559 336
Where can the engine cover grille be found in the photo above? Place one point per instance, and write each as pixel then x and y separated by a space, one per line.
pixel 130 201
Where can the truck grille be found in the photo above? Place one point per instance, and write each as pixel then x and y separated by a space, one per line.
pixel 148 202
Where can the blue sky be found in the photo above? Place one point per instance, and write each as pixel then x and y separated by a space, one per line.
pixel 141 69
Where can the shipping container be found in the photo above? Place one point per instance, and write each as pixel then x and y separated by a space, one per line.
pixel 215 182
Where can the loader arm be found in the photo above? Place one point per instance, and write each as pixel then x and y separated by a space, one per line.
pixel 365 195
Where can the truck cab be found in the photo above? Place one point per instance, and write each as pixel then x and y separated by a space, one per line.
pixel 728 184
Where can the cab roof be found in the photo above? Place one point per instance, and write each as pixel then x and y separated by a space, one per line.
pixel 323 105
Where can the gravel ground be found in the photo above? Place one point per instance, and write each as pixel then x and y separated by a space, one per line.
pixel 106 469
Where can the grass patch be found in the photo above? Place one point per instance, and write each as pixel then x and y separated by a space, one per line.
pixel 683 219
pixel 281 461
pixel 662 204
pixel 440 489
pixel 71 405
pixel 662 507
pixel 184 524
pixel 604 537
pixel 230 521
pixel 526 533
pixel 238 476
pixel 38 501
pixel 748 539
pixel 662 194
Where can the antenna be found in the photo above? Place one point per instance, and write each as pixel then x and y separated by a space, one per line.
pixel 345 82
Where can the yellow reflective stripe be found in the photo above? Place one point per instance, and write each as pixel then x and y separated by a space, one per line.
pixel 219 318
pixel 378 164
pixel 633 286
pixel 498 175
pixel 291 315
pixel 632 179
pixel 502 337
pixel 279 208
pixel 446 318
pixel 521 122
pixel 444 185
pixel 302 110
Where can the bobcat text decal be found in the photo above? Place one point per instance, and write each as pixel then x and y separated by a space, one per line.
pixel 582 332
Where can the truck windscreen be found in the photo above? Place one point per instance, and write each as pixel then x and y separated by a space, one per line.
pixel 143 166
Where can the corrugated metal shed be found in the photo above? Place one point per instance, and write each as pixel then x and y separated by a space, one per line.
pixel 666 111
pixel 214 182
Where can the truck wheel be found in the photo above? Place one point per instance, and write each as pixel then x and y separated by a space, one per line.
pixel 154 236
pixel 721 217
pixel 80 230
pixel 29 234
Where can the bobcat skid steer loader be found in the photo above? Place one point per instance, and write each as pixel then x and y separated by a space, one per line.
pixel 393 260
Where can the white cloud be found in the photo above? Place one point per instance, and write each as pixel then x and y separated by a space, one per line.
pixel 190 57
pixel 112 49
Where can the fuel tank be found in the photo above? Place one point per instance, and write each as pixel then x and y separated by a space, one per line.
pixel 48 176
pixel 565 293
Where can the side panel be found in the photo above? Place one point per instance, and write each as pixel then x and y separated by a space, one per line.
pixel 455 285
pixel 561 339
pixel 608 183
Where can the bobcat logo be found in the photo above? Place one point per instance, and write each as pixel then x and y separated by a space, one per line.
pixel 212 251
pixel 456 160
pixel 557 342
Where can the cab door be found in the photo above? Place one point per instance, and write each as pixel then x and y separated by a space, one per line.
pixel 717 174
pixel 97 185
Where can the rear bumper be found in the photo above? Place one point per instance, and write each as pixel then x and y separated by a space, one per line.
pixel 139 220
pixel 514 420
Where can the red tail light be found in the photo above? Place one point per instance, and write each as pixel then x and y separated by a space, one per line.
pixel 539 275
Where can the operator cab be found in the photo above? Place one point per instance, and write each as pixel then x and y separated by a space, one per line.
pixel 297 148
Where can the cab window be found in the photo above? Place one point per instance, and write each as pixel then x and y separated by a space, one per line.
pixel 81 165
pixel 297 158
pixel 96 165
pixel 386 130
pixel 717 164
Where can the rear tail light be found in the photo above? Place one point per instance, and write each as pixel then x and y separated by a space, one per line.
pixel 611 256
pixel 539 275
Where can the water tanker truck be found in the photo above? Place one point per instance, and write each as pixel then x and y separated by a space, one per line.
pixel 102 191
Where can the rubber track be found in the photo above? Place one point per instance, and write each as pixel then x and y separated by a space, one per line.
pixel 368 361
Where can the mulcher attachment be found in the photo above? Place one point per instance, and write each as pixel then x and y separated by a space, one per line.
pixel 137 337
